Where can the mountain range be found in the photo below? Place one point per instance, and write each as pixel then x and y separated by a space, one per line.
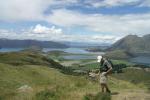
pixel 130 46
pixel 8 43
pixel 133 44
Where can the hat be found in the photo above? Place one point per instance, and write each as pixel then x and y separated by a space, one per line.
pixel 99 58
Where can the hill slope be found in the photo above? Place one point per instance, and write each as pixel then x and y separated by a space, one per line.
pixel 32 76
pixel 36 82
pixel 27 58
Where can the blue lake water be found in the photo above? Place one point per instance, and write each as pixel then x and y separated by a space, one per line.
pixel 141 60
pixel 10 49
pixel 69 50
pixel 80 57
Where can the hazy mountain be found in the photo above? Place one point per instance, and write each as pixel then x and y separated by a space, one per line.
pixel 85 44
pixel 133 44
pixel 7 43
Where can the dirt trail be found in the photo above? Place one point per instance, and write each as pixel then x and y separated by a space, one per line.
pixel 131 95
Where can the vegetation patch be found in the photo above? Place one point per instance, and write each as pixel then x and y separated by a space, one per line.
pixel 98 96
pixel 45 95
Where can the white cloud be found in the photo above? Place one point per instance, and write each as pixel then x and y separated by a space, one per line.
pixel 110 3
pixel 43 29
pixel 28 10
pixel 33 10
pixel 145 3
pixel 115 24
pixel 12 10
pixel 56 34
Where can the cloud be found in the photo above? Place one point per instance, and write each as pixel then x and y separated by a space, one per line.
pixel 12 10
pixel 109 27
pixel 111 3
pixel 43 29
pixel 145 3
pixel 40 32
pixel 116 3
pixel 114 24
pixel 34 10
pixel 28 10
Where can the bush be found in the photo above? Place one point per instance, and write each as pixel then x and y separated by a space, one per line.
pixel 45 95
pixel 118 67
pixel 98 96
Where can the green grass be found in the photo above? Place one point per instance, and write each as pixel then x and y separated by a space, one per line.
pixel 98 96
pixel 91 66
pixel 136 76
pixel 118 54
pixel 41 78
pixel 49 83
pixel 122 62
pixel 22 58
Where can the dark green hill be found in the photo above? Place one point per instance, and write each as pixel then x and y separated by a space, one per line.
pixel 118 54
pixel 27 58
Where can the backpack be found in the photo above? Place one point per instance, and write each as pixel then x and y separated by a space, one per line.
pixel 104 67
pixel 112 65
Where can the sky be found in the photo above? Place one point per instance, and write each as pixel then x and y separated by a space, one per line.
pixel 98 21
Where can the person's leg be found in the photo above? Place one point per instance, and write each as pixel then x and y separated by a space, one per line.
pixel 107 89
pixel 102 87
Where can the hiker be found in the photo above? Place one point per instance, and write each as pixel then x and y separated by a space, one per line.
pixel 105 69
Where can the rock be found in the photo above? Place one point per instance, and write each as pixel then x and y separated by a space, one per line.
pixel 25 88
pixel 147 69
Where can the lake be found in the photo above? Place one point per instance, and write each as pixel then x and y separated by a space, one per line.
pixel 78 51
pixel 69 50
pixel 11 49
pixel 141 60
pixel 79 57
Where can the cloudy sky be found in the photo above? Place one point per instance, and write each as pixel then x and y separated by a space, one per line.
pixel 74 20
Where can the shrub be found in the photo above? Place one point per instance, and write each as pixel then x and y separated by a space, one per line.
pixel 98 96
pixel 45 95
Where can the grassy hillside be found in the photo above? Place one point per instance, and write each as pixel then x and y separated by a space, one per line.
pixel 43 80
pixel 135 76
pixel 27 58
pixel 32 76
pixel 44 83
pixel 118 54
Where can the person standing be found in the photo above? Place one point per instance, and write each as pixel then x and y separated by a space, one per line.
pixel 105 70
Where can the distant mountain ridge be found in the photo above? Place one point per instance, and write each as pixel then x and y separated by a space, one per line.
pixel 133 44
pixel 8 43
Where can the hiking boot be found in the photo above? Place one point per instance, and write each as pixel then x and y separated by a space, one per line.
pixel 108 91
